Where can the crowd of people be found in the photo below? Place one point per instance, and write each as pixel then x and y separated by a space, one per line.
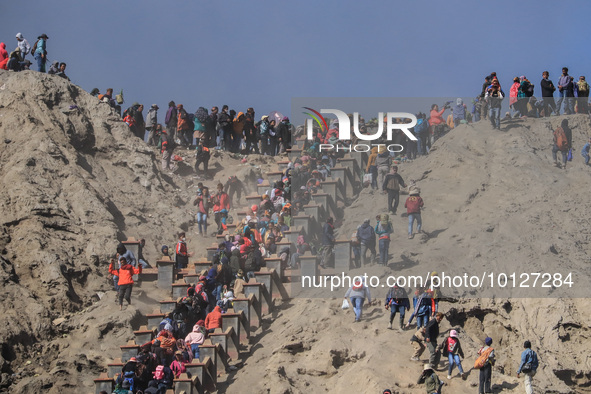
pixel 242 253
pixel 17 59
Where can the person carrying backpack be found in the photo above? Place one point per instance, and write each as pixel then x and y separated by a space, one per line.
pixel 452 348
pixel 383 230
pixel 413 205
pixel 431 380
pixel 421 131
pixel 358 293
pixel 397 300
pixel 485 362
pixel 39 51
pixel 528 366
pixel 494 96
pixel 563 140
pixel 367 237
pixel 582 93
pixel 184 126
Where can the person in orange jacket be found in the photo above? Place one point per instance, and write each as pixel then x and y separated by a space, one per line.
pixel 214 319
pixel 125 274
pixel 221 206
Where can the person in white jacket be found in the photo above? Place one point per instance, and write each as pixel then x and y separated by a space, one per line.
pixel 23 44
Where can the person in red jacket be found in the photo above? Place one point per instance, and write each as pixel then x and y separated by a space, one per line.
pixel 413 206
pixel 221 206
pixel 125 274
pixel 214 319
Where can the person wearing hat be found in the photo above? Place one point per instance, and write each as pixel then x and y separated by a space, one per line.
pixel 430 379
pixel 151 124
pixel 486 370
pixel 452 348
pixel 23 44
pixel 358 293
pixel 40 53
pixel 178 365
pixel 413 205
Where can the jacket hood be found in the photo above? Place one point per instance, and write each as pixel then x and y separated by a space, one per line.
pixel 459 101
pixel 196 328
pixel 217 309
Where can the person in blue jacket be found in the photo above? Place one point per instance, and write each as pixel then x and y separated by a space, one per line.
pixel 397 300
pixel 585 151
pixel 528 366
pixel 41 52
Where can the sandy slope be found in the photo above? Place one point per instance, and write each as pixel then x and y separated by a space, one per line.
pixel 494 202
pixel 75 181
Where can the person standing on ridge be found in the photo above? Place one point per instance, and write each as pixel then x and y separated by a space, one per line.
pixel 23 44
pixel 40 53
pixel 548 94
pixel 563 93
pixel 170 120
pixel 151 123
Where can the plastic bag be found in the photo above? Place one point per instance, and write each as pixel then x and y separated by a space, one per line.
pixel 570 155
pixel 345 304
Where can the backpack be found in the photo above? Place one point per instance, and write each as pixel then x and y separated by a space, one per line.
pixel 159 372
pixel 119 97
pixel 561 140
pixel 529 91
pixel 250 264
pixel 129 377
pixel 34 48
pixel 421 127
pixel 393 183
pixel 531 364
pixel 483 358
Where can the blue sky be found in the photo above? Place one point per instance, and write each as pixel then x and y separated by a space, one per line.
pixel 263 53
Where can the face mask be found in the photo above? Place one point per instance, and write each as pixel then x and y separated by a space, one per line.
pixel 183 239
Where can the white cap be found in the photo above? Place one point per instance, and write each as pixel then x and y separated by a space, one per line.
pixel 19 36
